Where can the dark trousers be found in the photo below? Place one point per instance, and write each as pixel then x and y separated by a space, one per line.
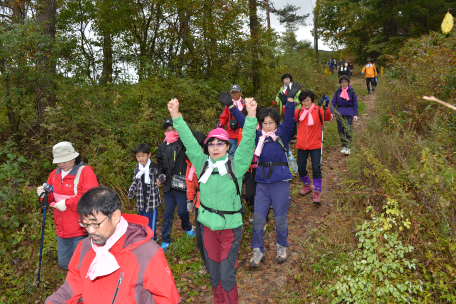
pixel 221 248
pixel 152 216
pixel 315 156
pixel 250 186
pixel 371 81
pixel 344 124
pixel 199 236
pixel 173 198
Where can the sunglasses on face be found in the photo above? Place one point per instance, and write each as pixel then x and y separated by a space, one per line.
pixel 212 145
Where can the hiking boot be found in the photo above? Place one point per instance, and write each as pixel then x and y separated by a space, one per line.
pixel 251 221
pixel 373 90
pixel 347 151
pixel 344 150
pixel 306 190
pixel 258 257
pixel 368 92
pixel 165 246
pixel 317 197
pixel 203 271
pixel 191 233
pixel 265 226
pixel 282 253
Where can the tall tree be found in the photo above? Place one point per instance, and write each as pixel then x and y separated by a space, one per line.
pixel 254 39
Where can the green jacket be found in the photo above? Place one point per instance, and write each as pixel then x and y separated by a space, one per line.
pixel 279 102
pixel 220 191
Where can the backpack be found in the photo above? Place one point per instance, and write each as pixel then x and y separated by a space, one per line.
pixel 271 165
pixel 230 169
pixel 352 92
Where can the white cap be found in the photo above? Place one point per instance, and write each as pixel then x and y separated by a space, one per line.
pixel 63 152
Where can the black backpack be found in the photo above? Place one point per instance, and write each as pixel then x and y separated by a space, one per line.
pixel 230 169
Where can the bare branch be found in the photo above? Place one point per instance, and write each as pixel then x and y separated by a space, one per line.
pixel 446 104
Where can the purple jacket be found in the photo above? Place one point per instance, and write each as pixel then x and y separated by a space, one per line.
pixel 345 107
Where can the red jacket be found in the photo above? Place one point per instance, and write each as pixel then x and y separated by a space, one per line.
pixel 146 279
pixel 309 137
pixel 192 187
pixel 66 223
pixel 225 120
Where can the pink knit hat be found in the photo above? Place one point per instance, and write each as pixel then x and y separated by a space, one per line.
pixel 218 133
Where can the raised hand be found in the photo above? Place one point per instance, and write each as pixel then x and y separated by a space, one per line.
pixel 291 93
pixel 283 98
pixel 225 98
pixel 251 106
pixel 173 107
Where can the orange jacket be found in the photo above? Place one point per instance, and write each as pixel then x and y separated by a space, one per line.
pixel 192 187
pixel 309 137
pixel 370 70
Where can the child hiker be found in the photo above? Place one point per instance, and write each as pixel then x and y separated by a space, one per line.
pixel 309 136
pixel 272 175
pixel 193 198
pixel 145 186
pixel 172 167
pixel 220 211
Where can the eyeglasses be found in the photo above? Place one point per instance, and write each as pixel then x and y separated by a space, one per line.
pixel 93 225
pixel 268 123
pixel 212 145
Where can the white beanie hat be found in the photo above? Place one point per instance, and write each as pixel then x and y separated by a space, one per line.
pixel 63 152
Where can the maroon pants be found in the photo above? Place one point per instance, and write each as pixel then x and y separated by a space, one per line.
pixel 221 248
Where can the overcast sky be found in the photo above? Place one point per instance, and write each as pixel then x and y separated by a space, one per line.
pixel 304 32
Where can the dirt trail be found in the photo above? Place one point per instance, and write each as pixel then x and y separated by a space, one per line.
pixel 262 284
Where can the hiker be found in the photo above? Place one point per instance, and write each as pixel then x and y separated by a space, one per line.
pixel 119 262
pixel 310 118
pixel 350 66
pixel 272 177
pixel 227 119
pixel 371 72
pixel 344 70
pixel 221 209
pixel 171 157
pixel 344 106
pixel 193 198
pixel 341 62
pixel 70 180
pixel 145 186
pixel 281 98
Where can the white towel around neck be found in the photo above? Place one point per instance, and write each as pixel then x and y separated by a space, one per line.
pixel 220 165
pixel 145 171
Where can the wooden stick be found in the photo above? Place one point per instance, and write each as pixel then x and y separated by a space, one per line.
pixel 446 104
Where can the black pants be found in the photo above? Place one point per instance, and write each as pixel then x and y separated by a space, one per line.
pixel 199 237
pixel 315 156
pixel 370 80
pixel 344 124
pixel 250 186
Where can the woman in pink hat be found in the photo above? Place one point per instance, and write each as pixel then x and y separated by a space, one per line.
pixel 220 211
pixel 70 180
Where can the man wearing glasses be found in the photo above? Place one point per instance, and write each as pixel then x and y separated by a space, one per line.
pixel 119 262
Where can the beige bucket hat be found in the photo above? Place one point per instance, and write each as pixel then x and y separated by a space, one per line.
pixel 63 152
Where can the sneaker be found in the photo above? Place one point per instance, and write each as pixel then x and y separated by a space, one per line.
pixel 191 233
pixel 264 227
pixel 203 271
pixel 165 246
pixel 317 197
pixel 258 257
pixel 344 150
pixel 282 253
pixel 251 221
pixel 347 151
pixel 306 190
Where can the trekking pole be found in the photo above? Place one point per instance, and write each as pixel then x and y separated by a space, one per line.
pixel 47 190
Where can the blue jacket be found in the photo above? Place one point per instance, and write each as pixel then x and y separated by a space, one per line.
pixel 272 151
pixel 345 107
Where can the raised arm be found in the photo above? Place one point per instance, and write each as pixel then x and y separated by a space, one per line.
pixel 244 153
pixel 226 100
pixel 194 152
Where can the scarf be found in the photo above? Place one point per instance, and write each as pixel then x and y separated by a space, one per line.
pixel 171 137
pixel 285 88
pixel 261 140
pixel 104 262
pixel 238 104
pixel 310 121
pixel 369 65
pixel 191 173
pixel 145 171
pixel 344 94
pixel 220 165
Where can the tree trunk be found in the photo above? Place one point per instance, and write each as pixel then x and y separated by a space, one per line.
pixel 45 86
pixel 268 15
pixel 254 40
pixel 106 74
pixel 184 45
